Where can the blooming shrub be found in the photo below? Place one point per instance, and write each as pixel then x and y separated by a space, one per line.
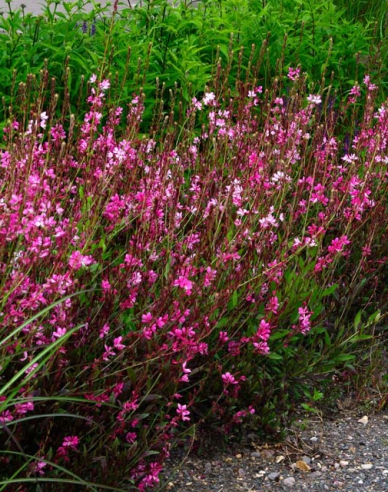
pixel 147 283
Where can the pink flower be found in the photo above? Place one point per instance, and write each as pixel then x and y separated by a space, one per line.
pixel 146 318
pixel 78 260
pixel 370 87
pixel 223 336
pixel 261 348
pixel 117 343
pixel 263 330
pixel 209 99
pixel 337 245
pixel 272 305
pixel 106 285
pixel 70 442
pixel 130 437
pixel 183 412
pixel 293 73
pixel 104 85
pixel 104 330
pixel 184 283
pixel 186 371
pixel 304 324
pixel 228 378
pixel 5 417
pixel 38 467
pixel 60 332
pixel 23 408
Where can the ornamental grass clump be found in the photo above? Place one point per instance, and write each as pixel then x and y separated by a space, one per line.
pixel 151 285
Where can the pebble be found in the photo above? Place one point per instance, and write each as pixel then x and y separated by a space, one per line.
pixel 344 463
pixel 289 481
pixel 367 466
pixel 315 474
pixel 273 476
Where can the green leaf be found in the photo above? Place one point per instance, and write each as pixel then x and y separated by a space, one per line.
pixel 223 322
pixel 357 319
pixel 274 356
pixel 279 334
pixel 167 268
pixel 234 300
pixel 359 338
pixel 329 290
pixel 344 358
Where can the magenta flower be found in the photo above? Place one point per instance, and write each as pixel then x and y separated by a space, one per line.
pixel 77 260
pixel 293 73
pixel 117 343
pixel 70 442
pixel 184 284
pixel 337 245
pixel 130 437
pixel 228 378
pixel 183 412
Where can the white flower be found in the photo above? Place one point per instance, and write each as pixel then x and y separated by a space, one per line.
pixel 314 99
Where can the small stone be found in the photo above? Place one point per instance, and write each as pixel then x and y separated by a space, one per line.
pixel 239 456
pixel 256 454
pixel 316 474
pixel 267 453
pixel 273 476
pixel 289 481
pixel 343 463
pixel 367 466
pixel 242 472
pixel 306 459
pixel 363 420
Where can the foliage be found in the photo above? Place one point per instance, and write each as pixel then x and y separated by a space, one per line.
pixel 179 44
pixel 200 274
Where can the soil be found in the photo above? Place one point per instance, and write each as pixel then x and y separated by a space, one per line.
pixel 345 452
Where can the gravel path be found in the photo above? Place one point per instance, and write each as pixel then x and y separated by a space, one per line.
pixel 349 453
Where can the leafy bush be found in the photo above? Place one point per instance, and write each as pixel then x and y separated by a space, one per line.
pixel 187 44
pixel 149 285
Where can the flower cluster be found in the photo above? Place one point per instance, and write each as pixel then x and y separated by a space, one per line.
pixel 162 272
